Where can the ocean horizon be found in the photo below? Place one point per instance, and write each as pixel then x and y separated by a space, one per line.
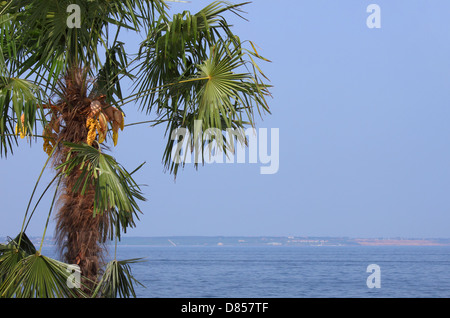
pixel 283 267
pixel 220 240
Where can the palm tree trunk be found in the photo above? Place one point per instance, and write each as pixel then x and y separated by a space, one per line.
pixel 78 231
pixel 79 234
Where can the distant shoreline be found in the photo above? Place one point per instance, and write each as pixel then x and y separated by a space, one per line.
pixel 265 241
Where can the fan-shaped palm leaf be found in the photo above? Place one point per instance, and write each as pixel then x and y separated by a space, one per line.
pixel 222 95
pixel 12 252
pixel 174 46
pixel 25 273
pixel 117 280
pixel 39 276
pixel 116 193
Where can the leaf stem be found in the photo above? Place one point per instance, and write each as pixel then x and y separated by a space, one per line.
pixel 34 190
pixel 49 213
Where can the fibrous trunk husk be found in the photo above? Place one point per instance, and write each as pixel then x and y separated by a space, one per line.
pixel 78 232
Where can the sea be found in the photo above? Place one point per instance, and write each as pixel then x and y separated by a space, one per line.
pixel 289 271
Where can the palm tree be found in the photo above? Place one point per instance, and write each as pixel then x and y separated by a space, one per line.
pixel 55 88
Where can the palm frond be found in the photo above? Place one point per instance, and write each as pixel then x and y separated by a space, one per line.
pixel 174 46
pixel 10 256
pixel 23 243
pixel 25 273
pixel 38 276
pixel 194 68
pixel 116 193
pixel 117 280
pixel 18 97
pixel 12 252
pixel 222 95
pixel 112 71
pixel 49 47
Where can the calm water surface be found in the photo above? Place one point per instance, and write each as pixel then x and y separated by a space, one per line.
pixel 289 272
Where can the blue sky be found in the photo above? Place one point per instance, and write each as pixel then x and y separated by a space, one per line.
pixel 364 134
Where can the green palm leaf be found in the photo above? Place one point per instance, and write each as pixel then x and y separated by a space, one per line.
pixel 113 70
pixel 174 46
pixel 116 193
pixel 25 273
pixel 48 46
pixel 13 252
pixel 17 95
pixel 117 280
pixel 195 68
pixel 222 95
pixel 38 276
